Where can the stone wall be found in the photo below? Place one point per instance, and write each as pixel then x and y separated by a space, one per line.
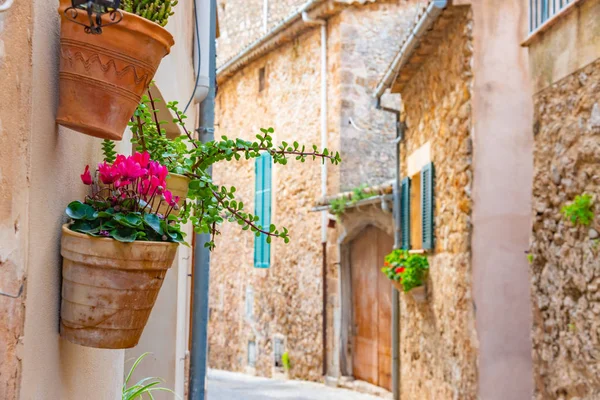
pixel 565 266
pixel 242 21
pixel 438 338
pixel 370 35
pixel 287 297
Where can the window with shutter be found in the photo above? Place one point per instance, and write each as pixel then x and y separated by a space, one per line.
pixel 262 201
pixel 427 202
pixel 405 213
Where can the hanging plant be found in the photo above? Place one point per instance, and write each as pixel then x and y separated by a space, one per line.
pixel 208 205
pixel 406 271
pixel 106 67
pixel 116 251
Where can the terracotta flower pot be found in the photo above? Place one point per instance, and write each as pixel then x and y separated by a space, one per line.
pixel 102 77
pixel 419 294
pixel 109 288
pixel 179 186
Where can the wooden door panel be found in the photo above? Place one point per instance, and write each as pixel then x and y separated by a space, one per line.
pixel 384 321
pixel 364 288
pixel 371 299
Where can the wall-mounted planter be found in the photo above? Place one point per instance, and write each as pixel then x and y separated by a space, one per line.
pixel 178 185
pixel 102 77
pixel 419 294
pixel 109 288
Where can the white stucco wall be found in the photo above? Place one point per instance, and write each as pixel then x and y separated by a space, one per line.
pixel 52 367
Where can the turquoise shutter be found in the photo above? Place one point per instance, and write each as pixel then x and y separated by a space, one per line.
pixel 405 213
pixel 427 200
pixel 262 203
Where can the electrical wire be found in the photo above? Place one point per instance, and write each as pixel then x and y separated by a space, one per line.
pixel 199 51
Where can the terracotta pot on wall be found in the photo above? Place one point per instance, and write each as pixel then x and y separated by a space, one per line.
pixel 179 186
pixel 109 288
pixel 419 294
pixel 102 77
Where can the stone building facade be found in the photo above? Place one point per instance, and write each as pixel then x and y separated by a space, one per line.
pixel 466 106
pixel 438 114
pixel 565 258
pixel 253 308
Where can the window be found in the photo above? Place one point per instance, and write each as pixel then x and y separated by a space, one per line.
pixel 249 304
pixel 416 210
pixel 262 79
pixel 278 350
pixel 541 11
pixel 262 201
pixel 252 353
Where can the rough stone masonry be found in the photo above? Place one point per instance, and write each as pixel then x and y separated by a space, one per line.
pixel 565 267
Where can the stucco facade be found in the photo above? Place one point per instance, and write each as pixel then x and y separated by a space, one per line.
pixel 40 164
pixel 564 256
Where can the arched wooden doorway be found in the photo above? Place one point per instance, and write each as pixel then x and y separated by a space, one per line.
pixel 372 308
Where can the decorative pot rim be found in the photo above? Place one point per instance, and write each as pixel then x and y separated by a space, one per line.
pixel 144 26
pixel 66 230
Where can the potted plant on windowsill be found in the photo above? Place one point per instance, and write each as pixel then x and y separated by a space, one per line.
pixel 408 273
pixel 116 252
pixel 103 75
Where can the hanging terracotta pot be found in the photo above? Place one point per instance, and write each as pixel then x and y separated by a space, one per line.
pixel 419 294
pixel 102 77
pixel 109 288
pixel 179 186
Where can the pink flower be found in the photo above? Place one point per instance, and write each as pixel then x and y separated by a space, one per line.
pixel 168 197
pixel 142 158
pixel 108 173
pixel 86 177
pixel 130 169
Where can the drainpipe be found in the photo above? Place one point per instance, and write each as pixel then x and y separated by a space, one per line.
pixel 201 46
pixel 201 275
pixel 324 217
pixel 397 244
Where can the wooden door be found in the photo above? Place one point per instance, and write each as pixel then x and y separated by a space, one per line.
pixel 372 308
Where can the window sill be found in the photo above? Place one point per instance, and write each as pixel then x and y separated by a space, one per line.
pixel 417 251
pixel 534 35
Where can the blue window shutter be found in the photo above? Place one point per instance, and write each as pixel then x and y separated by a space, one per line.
pixel 262 201
pixel 405 213
pixel 427 203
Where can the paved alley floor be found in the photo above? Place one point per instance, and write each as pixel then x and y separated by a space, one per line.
pixel 223 385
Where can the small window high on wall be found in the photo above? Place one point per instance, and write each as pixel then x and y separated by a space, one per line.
pixel 262 201
pixel 416 210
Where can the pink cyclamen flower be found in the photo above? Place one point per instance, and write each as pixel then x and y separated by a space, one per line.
pixel 168 197
pixel 108 173
pixel 86 177
pixel 142 158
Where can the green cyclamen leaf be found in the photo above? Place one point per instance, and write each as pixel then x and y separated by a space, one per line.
pixel 88 227
pixel 77 210
pixel 154 222
pixel 130 220
pixel 125 235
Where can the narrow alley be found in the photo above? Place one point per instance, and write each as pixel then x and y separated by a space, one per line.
pixel 224 385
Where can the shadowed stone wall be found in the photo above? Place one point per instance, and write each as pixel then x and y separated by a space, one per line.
pixel 566 257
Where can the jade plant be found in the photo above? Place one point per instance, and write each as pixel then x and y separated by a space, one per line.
pixel 124 202
pixel 209 205
pixel 579 211
pixel 157 11
pixel 410 270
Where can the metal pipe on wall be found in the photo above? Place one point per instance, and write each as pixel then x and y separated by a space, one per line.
pixel 201 275
pixel 397 243
pixel 324 214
